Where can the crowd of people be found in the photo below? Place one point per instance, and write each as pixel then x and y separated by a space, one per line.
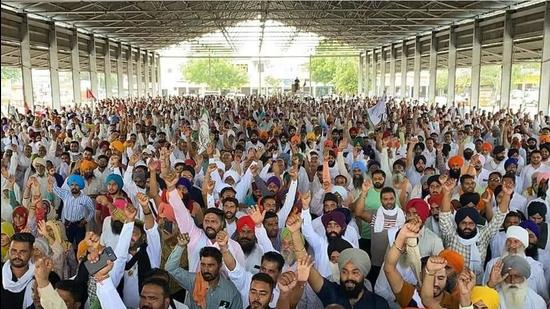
pixel 274 202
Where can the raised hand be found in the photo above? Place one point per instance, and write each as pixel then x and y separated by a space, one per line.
pixel 183 240
pixel 130 212
pixel 342 145
pixel 222 238
pixel 487 196
pixel 287 282
pixel 449 185
pixel 42 230
pixel 143 199
pixel 171 179
pixel 466 282
pixel 410 229
pixel 496 277
pixel 101 199
pixel 306 200
pixel 94 247
pixel 42 269
pixel 435 264
pixel 303 266
pixel 367 184
pixel 257 215
pixel 254 169
pixel 294 223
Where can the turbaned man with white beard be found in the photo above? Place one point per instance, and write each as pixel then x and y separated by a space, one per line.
pixel 509 276
pixel 517 239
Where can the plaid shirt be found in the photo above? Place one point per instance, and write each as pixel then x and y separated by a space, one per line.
pixel 450 237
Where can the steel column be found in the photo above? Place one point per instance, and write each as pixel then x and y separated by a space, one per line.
pixel 392 71
pixel 544 93
pixel 403 90
pixel 146 72
pixel 416 83
pixel 507 54
pixel 26 69
pixel 108 81
pixel 382 72
pixel 75 64
pixel 92 56
pixel 374 72
pixel 476 64
pixel 54 67
pixel 433 68
pixel 360 75
pixel 139 80
pixel 452 66
pixel 120 70
pixel 130 63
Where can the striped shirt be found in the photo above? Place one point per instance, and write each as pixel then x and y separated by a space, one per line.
pixel 75 208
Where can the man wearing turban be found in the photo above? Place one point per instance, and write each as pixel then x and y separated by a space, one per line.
pixel 245 235
pixel 510 278
pixel 537 211
pixel 464 236
pixel 78 208
pixel 517 240
pixel 483 296
pixel 110 215
pixel 354 265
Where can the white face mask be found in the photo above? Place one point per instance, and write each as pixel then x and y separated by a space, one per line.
pixel 335 272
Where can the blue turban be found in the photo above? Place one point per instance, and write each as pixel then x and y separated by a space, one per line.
pixel 359 165
pixel 116 178
pixel 532 226
pixel 76 179
pixel 184 182
pixel 510 161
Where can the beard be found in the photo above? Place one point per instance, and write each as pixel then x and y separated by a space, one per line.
pixel 247 245
pixel 207 276
pixel 332 236
pixel 134 246
pixel 352 288
pixel 331 163
pixel 357 181
pixel 532 251
pixel 378 185
pixel 514 294
pixel 289 256
pixel 467 233
pixel 450 285
pixel 229 215
pixel 210 233
pixel 454 173
pixel 257 305
pixel 116 227
pixel 75 191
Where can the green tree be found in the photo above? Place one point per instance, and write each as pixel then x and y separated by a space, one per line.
pixel 217 73
pixel 12 73
pixel 341 72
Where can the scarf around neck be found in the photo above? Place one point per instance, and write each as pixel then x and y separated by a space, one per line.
pixel 23 284
pixel 475 262
pixel 380 217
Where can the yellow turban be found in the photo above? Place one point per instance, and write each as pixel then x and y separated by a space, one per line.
pixel 117 145
pixel 485 294
pixel 311 136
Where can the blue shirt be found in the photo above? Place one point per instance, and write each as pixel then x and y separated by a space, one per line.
pixel 332 293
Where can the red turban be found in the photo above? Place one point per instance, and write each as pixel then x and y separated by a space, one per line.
pixel 167 212
pixel 245 221
pixel 456 161
pixel 422 208
pixel 436 199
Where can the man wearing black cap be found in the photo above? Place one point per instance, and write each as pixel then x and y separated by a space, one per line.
pixel 467 238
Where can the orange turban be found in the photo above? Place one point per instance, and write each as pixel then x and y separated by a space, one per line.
pixel 263 135
pixel 454 259
pixel 456 161
pixel 545 138
pixel 295 139
pixel 117 145
pixel 82 249
pixel 87 165
pixel 487 147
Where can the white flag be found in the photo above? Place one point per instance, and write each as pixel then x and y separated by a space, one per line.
pixel 377 112
pixel 204 131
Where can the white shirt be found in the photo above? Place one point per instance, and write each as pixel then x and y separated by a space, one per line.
pixel 532 300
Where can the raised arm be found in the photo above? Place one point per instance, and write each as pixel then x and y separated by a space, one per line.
pixel 183 217
pixel 409 230
pixel 289 200
pixel 182 276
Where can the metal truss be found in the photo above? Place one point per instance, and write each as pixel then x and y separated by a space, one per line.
pixel 159 24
